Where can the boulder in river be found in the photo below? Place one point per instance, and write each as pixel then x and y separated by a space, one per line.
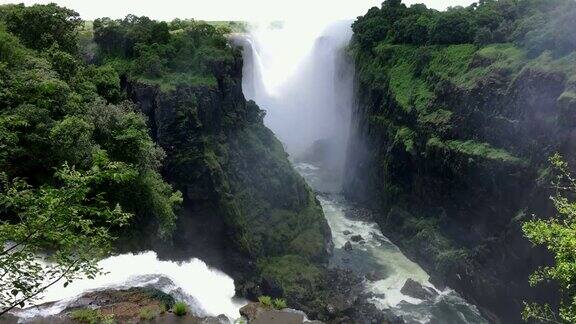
pixel 133 305
pixel 256 313
pixel 356 238
pixel 346 232
pixel 414 289
pixel 348 246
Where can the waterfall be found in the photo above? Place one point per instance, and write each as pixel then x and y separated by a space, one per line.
pixel 304 79
pixel 209 292
pixel 302 76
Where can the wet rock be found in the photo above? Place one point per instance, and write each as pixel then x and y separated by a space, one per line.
pixel 125 306
pixel 374 275
pixel 346 232
pixel 348 246
pixel 256 313
pixel 356 238
pixel 416 290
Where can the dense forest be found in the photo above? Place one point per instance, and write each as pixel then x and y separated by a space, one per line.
pixel 131 134
pixel 127 135
pixel 459 112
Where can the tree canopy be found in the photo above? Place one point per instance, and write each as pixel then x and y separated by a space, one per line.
pixel 535 24
pixel 78 167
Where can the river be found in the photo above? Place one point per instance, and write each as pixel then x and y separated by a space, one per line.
pixel 306 85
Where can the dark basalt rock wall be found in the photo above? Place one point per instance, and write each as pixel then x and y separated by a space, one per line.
pixel 243 201
pixel 453 193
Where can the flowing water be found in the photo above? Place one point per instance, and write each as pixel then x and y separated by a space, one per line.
pixel 207 291
pixel 301 75
pixel 306 86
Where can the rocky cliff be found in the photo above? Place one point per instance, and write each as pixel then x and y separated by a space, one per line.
pixel 451 144
pixel 245 209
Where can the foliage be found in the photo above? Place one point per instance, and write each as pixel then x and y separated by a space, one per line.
pixel 180 308
pixel 534 24
pixel 146 314
pixel 279 303
pixel 70 220
pixel 295 275
pixel 558 234
pixel 269 302
pixel 150 52
pixel 266 301
pixel 78 165
pixel 42 26
pixel 91 316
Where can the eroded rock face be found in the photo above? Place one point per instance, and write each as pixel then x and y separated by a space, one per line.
pixel 256 313
pixel 415 289
pixel 235 176
pixel 133 305
pixel 452 182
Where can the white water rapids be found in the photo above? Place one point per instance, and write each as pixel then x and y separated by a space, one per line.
pixel 207 291
pixel 304 80
pixel 302 77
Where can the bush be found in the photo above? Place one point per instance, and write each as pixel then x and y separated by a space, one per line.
pixel 276 303
pixel 146 314
pixel 279 303
pixel 180 308
pixel 92 316
pixel 266 301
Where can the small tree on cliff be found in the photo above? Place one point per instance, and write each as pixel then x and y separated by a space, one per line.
pixel 558 234
pixel 52 235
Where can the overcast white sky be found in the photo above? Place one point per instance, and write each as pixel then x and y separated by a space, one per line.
pixel 251 10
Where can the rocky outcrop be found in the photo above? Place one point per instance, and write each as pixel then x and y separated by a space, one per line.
pixel 454 162
pixel 134 305
pixel 243 201
pixel 415 289
pixel 256 313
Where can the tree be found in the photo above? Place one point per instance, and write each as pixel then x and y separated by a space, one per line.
pixel 558 234
pixel 453 27
pixel 55 234
pixel 41 26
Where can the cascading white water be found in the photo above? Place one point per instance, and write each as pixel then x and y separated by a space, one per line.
pixel 299 73
pixel 307 90
pixel 207 291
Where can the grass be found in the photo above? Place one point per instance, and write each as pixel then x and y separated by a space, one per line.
pixel 180 308
pixel 147 314
pixel 276 303
pixel 504 59
pixel 405 136
pixel 170 81
pixel 91 316
pixel 266 301
pixel 296 275
pixel 475 149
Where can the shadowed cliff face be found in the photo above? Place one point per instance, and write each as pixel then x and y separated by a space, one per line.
pixel 453 181
pixel 243 202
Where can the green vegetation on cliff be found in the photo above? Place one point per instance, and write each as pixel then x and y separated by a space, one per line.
pixel 558 234
pixel 186 78
pixel 458 112
pixel 78 167
pixel 100 121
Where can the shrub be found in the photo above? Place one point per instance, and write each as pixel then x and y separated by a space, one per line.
pixel 180 308
pixel 279 303
pixel 92 316
pixel 276 303
pixel 147 314
pixel 266 301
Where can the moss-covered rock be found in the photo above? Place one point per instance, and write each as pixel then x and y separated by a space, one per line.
pixel 241 194
pixel 448 142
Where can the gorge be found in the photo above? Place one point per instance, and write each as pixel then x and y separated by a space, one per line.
pixel 376 170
